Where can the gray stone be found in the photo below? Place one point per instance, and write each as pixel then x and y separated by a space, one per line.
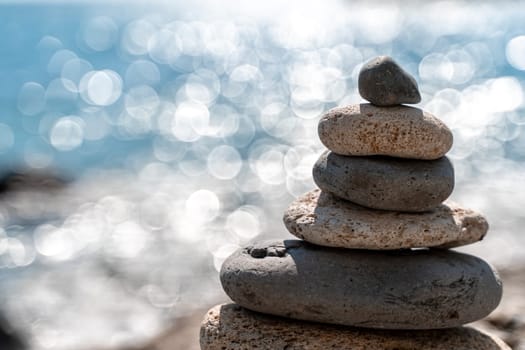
pixel 384 83
pixel 386 183
pixel 322 218
pixel 231 327
pixel 401 131
pixel 402 289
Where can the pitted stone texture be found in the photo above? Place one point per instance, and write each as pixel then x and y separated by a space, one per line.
pixel 323 219
pixel 384 83
pixel 400 131
pixel 231 327
pixel 410 289
pixel 384 182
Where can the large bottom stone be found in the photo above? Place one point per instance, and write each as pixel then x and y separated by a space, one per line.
pixel 411 289
pixel 231 327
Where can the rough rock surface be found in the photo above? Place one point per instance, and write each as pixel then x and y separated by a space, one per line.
pixel 407 289
pixel 322 218
pixel 231 327
pixel 384 83
pixel 384 182
pixel 400 131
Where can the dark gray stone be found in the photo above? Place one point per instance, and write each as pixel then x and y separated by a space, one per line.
pixel 403 289
pixel 384 83
pixel 10 339
pixel 386 183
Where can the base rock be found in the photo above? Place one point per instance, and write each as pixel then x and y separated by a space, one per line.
pixel 231 327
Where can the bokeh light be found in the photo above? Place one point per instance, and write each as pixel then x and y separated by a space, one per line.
pixel 190 121
pixel 31 98
pixel 202 206
pixel 515 52
pixel 101 88
pixel 67 134
pixel 100 33
pixel 224 162
pixel 7 138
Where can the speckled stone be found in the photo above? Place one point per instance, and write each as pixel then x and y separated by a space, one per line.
pixel 384 83
pixel 400 289
pixel 323 219
pixel 384 182
pixel 400 131
pixel 231 327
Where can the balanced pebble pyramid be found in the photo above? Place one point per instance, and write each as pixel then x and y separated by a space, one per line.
pixel 366 273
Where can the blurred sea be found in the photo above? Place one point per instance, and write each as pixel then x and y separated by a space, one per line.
pixel 188 128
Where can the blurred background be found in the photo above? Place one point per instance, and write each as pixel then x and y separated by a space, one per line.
pixel 143 142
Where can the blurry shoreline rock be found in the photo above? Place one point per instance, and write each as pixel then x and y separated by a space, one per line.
pixel 410 298
pixel 20 191
pixel 31 197
pixel 32 180
pixel 9 338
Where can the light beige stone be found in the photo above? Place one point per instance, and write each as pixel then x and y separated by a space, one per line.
pixel 321 218
pixel 400 131
pixel 231 327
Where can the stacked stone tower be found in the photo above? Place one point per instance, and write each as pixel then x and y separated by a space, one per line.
pixel 371 270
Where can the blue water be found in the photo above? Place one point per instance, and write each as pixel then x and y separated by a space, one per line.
pixel 23 27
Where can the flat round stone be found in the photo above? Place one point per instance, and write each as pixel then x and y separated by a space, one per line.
pixel 401 289
pixel 384 182
pixel 235 328
pixel 400 131
pixel 384 83
pixel 322 218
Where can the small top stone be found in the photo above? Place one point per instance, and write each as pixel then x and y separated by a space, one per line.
pixel 384 83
